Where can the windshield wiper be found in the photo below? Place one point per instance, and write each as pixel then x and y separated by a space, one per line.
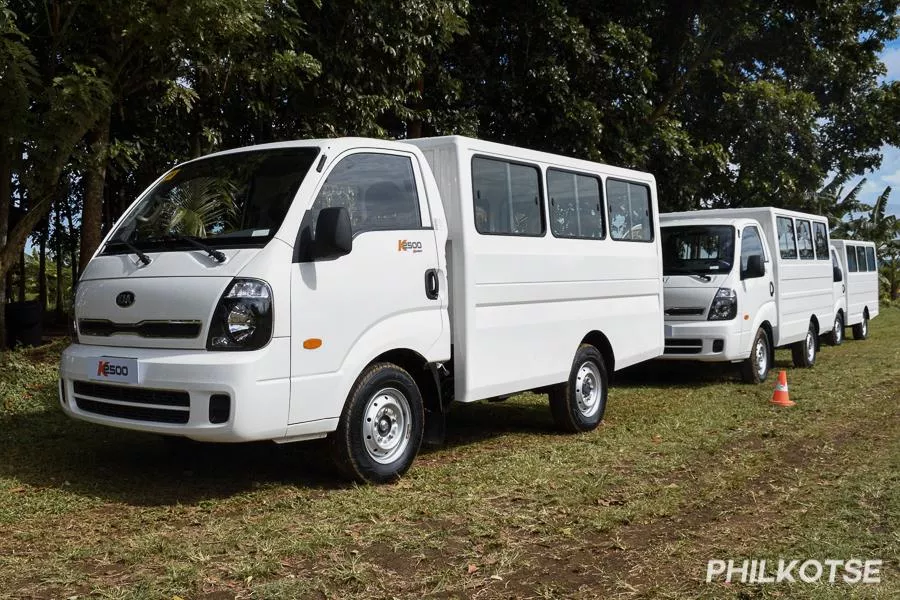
pixel 143 257
pixel 699 274
pixel 216 254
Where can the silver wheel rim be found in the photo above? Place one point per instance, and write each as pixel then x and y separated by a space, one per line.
pixel 386 425
pixel 588 389
pixel 838 330
pixel 865 327
pixel 810 347
pixel 762 359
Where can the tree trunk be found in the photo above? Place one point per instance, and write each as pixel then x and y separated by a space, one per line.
pixel 42 267
pixel 94 180
pixel 73 246
pixel 414 127
pixel 21 276
pixel 59 255
pixel 5 199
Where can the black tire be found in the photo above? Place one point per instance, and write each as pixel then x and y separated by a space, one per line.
pixel 804 351
pixel 861 330
pixel 587 374
pixel 756 367
pixel 837 334
pixel 375 403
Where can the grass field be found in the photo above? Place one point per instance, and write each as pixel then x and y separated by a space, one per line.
pixel 690 465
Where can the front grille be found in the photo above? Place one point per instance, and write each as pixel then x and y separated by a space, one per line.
pixel 683 346
pixel 136 413
pixel 149 329
pixel 138 404
pixel 132 395
pixel 684 312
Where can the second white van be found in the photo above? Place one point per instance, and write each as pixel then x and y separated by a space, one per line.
pixel 856 295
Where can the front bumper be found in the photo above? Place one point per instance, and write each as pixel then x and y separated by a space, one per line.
pixel 174 390
pixel 708 341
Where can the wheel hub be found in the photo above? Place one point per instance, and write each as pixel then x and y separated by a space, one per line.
pixel 588 389
pixel 386 425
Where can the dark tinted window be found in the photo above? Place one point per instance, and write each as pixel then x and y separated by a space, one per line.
pixel 751 244
pixel 821 240
pixel 870 259
pixel 697 249
pixel 787 243
pixel 851 259
pixel 576 206
pixel 379 191
pixel 861 258
pixel 805 241
pixel 629 211
pixel 507 198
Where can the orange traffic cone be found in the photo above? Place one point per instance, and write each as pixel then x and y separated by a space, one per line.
pixel 781 396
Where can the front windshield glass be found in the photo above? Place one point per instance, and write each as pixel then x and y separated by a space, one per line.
pixel 697 249
pixel 235 199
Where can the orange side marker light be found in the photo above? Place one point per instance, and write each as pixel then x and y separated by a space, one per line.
pixel 312 343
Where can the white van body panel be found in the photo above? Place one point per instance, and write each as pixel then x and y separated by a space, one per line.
pixel 861 287
pixel 839 288
pixel 689 333
pixel 520 306
pixel 515 309
pixel 803 288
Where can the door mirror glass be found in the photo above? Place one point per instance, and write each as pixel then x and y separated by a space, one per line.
pixel 838 276
pixel 334 235
pixel 754 268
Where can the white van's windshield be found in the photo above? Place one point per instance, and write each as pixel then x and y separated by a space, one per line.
pixel 233 200
pixel 697 249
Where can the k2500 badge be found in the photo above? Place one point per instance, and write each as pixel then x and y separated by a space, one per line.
pixel 407 246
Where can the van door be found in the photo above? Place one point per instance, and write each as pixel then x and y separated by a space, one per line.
pixel 756 292
pixel 840 285
pixel 383 295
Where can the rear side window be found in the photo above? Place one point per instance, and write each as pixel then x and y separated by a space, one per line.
pixel 851 259
pixel 379 191
pixel 507 198
pixel 629 211
pixel 787 243
pixel 821 241
pixel 870 259
pixel 805 241
pixel 861 258
pixel 576 205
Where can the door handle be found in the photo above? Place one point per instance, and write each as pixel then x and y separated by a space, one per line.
pixel 771 288
pixel 432 284
pixel 843 288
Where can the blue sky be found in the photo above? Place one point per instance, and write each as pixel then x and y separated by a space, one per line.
pixel 889 173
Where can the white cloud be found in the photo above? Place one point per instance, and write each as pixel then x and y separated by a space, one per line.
pixel 892 179
pixel 891 58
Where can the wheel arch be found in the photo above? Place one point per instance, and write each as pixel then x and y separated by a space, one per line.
pixel 599 341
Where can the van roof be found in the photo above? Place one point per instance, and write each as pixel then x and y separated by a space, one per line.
pixel 679 219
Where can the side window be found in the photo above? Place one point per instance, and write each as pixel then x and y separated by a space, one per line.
pixel 751 245
pixel 576 205
pixel 821 240
pixel 507 198
pixel 870 259
pixel 379 191
pixel 861 258
pixel 787 244
pixel 805 240
pixel 629 211
pixel 851 259
pixel 836 267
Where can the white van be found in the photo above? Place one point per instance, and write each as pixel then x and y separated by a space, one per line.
pixel 351 287
pixel 857 294
pixel 741 282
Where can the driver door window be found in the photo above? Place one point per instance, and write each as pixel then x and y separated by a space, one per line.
pixel 751 244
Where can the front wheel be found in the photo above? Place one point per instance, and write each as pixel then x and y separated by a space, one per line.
pixel 804 351
pixel 756 367
pixel 381 428
pixel 861 330
pixel 837 334
pixel 578 404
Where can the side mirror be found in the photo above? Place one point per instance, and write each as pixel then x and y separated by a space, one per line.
pixel 755 267
pixel 334 234
pixel 838 276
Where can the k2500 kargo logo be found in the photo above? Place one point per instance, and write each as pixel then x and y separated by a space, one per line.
pixel 106 369
pixel 407 245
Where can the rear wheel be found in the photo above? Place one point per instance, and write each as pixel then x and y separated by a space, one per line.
pixel 837 334
pixel 804 351
pixel 579 404
pixel 861 330
pixel 381 428
pixel 755 368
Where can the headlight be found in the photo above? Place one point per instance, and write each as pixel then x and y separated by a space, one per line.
pixel 724 305
pixel 243 318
